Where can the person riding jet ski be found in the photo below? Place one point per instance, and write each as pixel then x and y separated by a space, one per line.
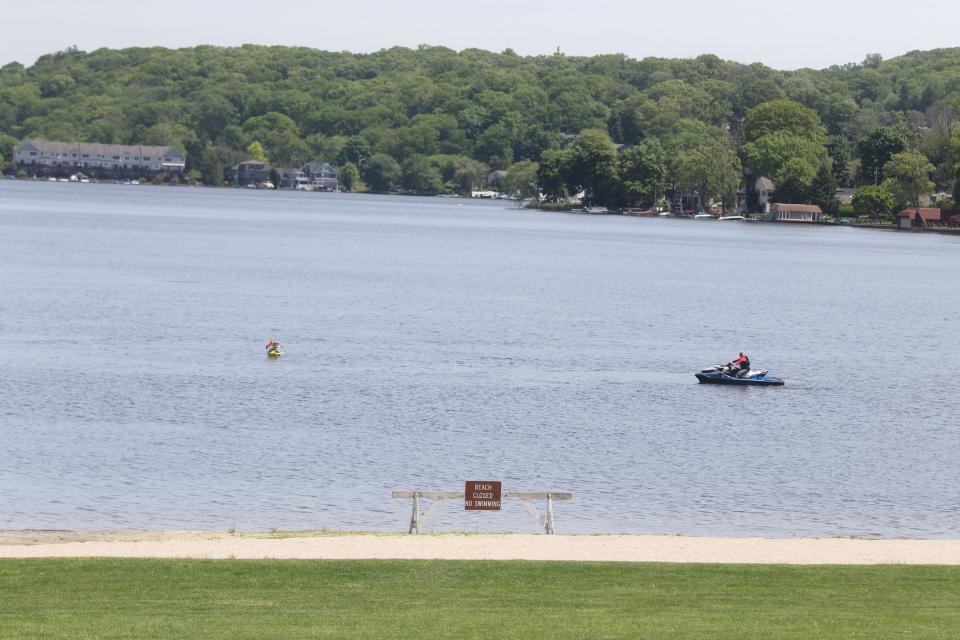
pixel 739 367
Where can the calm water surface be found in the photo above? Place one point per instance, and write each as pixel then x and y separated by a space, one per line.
pixel 432 341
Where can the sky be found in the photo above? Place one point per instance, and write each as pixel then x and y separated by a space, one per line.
pixel 778 33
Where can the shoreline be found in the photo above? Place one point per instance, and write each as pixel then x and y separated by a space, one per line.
pixel 461 546
pixel 942 230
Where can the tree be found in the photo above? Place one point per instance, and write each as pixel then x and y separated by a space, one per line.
pixel 421 177
pixel 356 150
pixel 873 201
pixel 713 170
pixel 280 138
pixel 382 173
pixel 839 148
pixel 592 166
pixel 521 180
pixel 169 135
pixel 211 166
pixel 823 190
pixel 794 180
pixel 56 85
pixel 7 145
pixel 909 175
pixel 643 173
pixel 956 186
pixel 348 175
pixel 784 157
pixel 756 84
pixel 784 116
pixel 495 145
pixel 876 149
pixel 211 114
pixel 255 151
pixel 786 141
pixel 551 172
pixel 460 174
pixel 953 158
pixel 872 61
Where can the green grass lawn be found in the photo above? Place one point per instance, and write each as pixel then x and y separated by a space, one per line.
pixel 117 598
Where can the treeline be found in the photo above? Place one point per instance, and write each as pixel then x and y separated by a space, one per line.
pixel 434 120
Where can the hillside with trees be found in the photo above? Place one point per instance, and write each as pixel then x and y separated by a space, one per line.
pixel 433 120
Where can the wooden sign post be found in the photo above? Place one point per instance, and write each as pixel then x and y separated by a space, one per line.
pixel 482 495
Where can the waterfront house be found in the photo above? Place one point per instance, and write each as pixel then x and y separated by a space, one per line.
pixel 764 190
pixel 251 172
pixel 845 194
pixel 796 212
pixel 321 176
pixel 918 218
pixel 61 159
pixel 496 178
pixel 293 178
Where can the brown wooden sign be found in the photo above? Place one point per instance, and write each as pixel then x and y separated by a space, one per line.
pixel 482 495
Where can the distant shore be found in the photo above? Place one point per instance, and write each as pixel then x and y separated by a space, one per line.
pixel 577 548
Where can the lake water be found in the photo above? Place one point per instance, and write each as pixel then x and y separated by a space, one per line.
pixel 432 341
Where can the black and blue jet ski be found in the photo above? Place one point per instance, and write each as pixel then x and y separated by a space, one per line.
pixel 721 375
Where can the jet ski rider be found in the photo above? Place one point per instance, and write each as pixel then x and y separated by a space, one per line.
pixel 739 367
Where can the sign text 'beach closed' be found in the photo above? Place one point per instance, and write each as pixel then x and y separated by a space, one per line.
pixel 482 495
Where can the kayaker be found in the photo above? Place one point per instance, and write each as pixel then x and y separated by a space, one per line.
pixel 273 348
pixel 740 366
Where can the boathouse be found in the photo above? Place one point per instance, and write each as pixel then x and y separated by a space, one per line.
pixel 918 218
pixel 796 213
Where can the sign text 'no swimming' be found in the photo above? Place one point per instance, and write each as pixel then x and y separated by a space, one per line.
pixel 482 495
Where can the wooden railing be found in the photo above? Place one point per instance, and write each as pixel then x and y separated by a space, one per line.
pixel 546 520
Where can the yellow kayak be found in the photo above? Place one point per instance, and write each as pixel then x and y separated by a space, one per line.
pixel 274 353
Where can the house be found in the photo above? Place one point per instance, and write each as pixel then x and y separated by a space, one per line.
pixel 61 159
pixel 251 173
pixel 917 218
pixel 293 178
pixel 764 190
pixel 321 176
pixel 845 195
pixel 496 178
pixel 796 213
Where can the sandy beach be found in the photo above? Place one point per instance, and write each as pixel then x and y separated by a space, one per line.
pixel 601 548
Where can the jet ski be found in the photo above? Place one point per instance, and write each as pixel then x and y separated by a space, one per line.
pixel 719 374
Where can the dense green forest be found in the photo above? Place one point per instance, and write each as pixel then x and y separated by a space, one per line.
pixel 434 120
